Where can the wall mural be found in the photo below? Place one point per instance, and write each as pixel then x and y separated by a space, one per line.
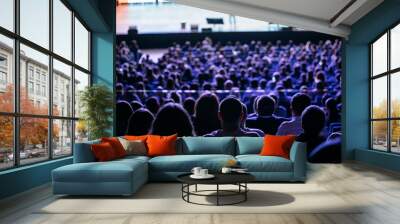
pixel 283 89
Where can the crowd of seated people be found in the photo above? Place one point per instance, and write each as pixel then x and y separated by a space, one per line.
pixel 210 89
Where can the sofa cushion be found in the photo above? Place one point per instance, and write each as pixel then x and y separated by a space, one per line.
pixel 185 163
pixel 275 145
pixel 257 163
pixel 135 147
pixel 103 152
pixel 112 171
pixel 206 145
pixel 161 145
pixel 116 145
pixel 249 145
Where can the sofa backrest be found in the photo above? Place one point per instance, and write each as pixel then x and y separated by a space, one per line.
pixel 206 145
pixel 249 145
pixel 83 152
pixel 190 146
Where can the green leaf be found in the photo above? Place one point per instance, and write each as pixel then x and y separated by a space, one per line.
pixel 96 102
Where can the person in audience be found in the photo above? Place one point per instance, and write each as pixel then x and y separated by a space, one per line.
pixel 318 93
pixel 206 114
pixel 299 102
pixel 153 104
pixel 171 119
pixel 176 97
pixel 231 116
pixel 189 105
pixel 123 112
pixel 312 121
pixel 283 100
pixel 119 89
pixel 265 119
pixel 243 123
pixel 130 93
pixel 136 105
pixel 280 111
pixel 333 115
pixel 140 122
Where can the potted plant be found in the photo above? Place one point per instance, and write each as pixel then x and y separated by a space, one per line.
pixel 96 104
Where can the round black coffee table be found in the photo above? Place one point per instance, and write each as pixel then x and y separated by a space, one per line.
pixel 238 179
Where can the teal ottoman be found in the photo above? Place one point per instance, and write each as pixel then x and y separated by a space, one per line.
pixel 119 177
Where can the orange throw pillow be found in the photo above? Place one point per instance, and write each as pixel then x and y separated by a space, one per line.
pixel 277 145
pixel 135 138
pixel 161 145
pixel 116 145
pixel 103 152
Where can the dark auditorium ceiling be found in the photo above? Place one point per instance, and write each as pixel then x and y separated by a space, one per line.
pixel 326 16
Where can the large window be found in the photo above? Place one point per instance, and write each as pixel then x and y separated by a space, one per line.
pixel 385 93
pixel 40 80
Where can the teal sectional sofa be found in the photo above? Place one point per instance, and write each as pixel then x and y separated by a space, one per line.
pixel 125 176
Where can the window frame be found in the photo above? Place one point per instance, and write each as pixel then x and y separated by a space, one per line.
pixel 388 74
pixel 15 68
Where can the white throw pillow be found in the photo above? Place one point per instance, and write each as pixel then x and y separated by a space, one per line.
pixel 137 147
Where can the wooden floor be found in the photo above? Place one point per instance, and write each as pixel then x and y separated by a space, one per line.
pixel 378 189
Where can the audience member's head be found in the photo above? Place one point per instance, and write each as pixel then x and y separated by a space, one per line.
pixel 189 104
pixel 136 105
pixel 331 105
pixel 265 106
pixel 176 97
pixel 320 86
pixel 206 114
pixel 119 89
pixel 206 106
pixel 171 119
pixel 228 85
pixel 140 122
pixel 123 112
pixel 300 102
pixel 313 120
pixel 153 104
pixel 230 113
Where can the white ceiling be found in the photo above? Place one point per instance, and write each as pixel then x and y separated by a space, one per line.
pixel 326 16
pixel 324 9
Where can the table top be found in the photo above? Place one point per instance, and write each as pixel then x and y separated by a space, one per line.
pixel 220 178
